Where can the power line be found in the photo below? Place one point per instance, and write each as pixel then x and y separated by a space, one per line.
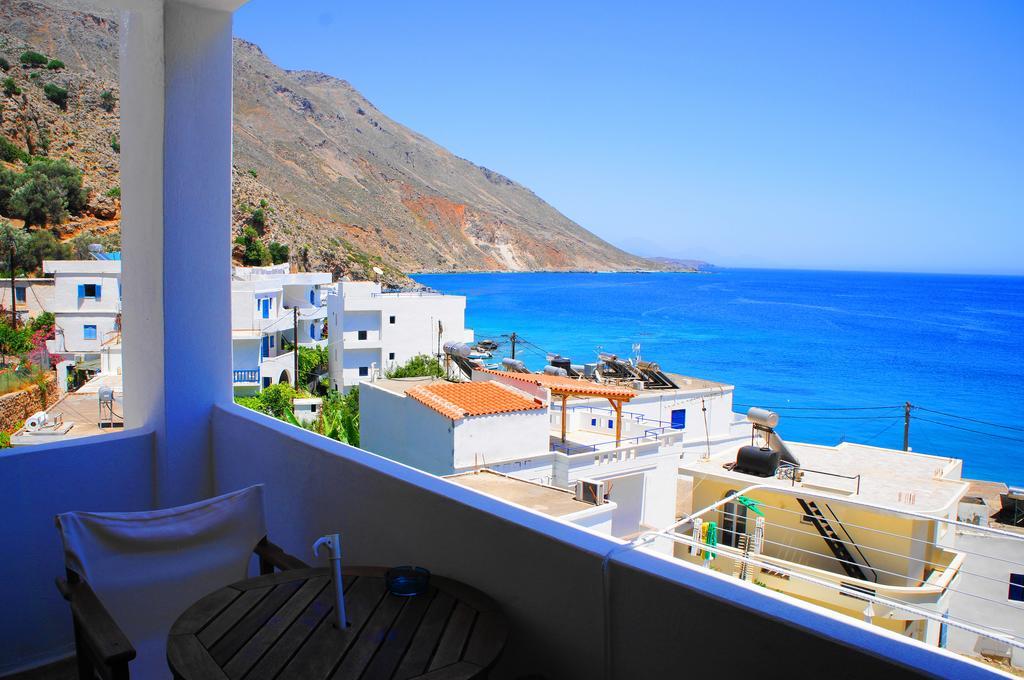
pixel 843 417
pixel 822 408
pixel 973 420
pixel 967 429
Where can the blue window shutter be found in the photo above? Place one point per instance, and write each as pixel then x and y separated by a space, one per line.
pixel 312 331
pixel 271 341
pixel 81 291
pixel 99 288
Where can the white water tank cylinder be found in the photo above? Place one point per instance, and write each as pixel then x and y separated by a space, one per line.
pixel 36 421
pixel 763 417
pixel 457 349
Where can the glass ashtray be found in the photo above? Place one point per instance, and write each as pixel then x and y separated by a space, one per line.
pixel 407 581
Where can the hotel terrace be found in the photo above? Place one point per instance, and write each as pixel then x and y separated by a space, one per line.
pixel 579 604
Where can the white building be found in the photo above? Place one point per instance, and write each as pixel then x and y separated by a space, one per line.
pixel 87 312
pixel 503 422
pixel 267 305
pixel 32 296
pixel 373 330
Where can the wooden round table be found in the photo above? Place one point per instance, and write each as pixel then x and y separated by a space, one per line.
pixel 281 626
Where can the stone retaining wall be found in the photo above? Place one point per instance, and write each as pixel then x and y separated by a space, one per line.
pixel 17 406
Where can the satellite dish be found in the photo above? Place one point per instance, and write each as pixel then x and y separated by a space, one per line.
pixel 378 271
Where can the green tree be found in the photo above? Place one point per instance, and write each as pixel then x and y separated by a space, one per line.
pixel 13 341
pixel 67 176
pixel 11 238
pixel 419 365
pixel 33 59
pixel 9 183
pixel 43 322
pixel 56 94
pixel 11 88
pixel 42 245
pixel 254 253
pixel 278 252
pixel 39 200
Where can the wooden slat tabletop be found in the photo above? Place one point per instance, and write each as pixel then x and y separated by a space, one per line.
pixel 281 626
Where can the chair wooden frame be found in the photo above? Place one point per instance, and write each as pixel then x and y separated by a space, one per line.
pixel 101 648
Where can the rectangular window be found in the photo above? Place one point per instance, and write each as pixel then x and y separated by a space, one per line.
pixel 271 342
pixel 266 381
pixel 364 371
pixel 611 424
pixel 593 422
pixel 678 418
pixel 362 335
pixel 391 356
pixel 19 293
pixel 391 319
pixel 1016 587
pixel 89 332
pixel 88 290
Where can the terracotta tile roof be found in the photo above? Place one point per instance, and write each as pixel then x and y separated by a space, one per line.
pixel 459 400
pixel 561 384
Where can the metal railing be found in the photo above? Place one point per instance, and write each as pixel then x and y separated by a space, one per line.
pixel 793 472
pixel 246 375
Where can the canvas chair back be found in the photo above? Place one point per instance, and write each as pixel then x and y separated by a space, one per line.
pixel 148 567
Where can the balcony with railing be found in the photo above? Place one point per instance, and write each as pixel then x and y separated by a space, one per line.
pixel 579 604
pixel 245 376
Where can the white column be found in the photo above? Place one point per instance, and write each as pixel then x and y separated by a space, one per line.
pixel 176 106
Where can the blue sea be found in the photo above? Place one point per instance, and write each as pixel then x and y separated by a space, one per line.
pixel 797 341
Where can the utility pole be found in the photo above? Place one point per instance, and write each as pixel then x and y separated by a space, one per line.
pixel 14 301
pixel 295 349
pixel 906 426
pixel 513 338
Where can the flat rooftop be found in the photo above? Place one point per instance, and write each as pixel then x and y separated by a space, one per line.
pixel 403 385
pixel 888 478
pixel 546 499
pixel 81 411
pixel 687 383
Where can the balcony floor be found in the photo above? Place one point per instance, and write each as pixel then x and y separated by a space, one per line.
pixel 62 670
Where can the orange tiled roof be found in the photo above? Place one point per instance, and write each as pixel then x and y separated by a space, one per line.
pixel 458 400
pixel 561 384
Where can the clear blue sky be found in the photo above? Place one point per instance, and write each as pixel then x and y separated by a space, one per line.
pixel 857 135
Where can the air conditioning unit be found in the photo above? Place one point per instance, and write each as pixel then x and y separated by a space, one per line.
pixel 590 491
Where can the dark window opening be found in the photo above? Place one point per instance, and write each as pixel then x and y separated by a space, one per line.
pixel 1016 587
pixel 362 335
pixel 19 294
pixel 364 371
pixel 391 356
pixel 391 319
pixel 89 290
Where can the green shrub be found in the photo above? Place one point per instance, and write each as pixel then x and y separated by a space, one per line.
pixel 9 183
pixel 55 65
pixel 10 152
pixel 254 253
pixel 4 64
pixel 419 365
pixel 254 174
pixel 40 200
pixel 11 88
pixel 56 94
pixel 33 59
pixel 42 245
pixel 36 78
pixel 278 252
pixel 258 220
pixel 113 192
pixel 107 100
pixel 115 143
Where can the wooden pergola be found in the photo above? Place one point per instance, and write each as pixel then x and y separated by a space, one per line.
pixel 564 388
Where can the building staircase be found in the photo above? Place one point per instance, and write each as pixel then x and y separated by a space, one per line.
pixel 836 544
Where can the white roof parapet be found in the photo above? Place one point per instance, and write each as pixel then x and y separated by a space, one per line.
pixel 81 266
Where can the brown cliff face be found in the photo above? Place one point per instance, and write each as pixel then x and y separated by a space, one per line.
pixel 343 185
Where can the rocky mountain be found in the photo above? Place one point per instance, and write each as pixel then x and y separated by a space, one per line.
pixel 329 175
